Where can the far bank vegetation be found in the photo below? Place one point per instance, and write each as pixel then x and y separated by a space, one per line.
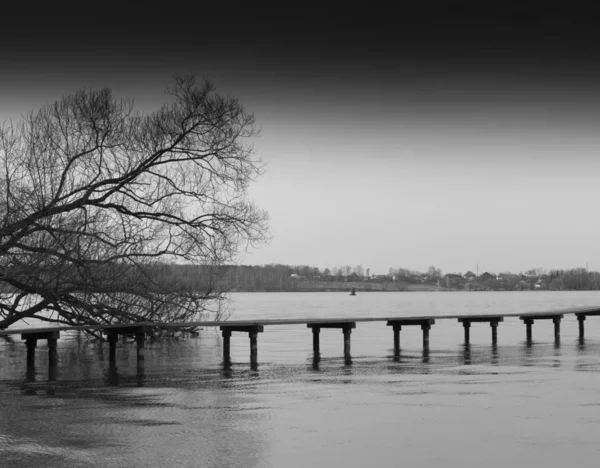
pixel 288 278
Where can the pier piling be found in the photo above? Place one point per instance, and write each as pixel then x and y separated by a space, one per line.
pixel 528 326
pixel 347 332
pixel 425 327
pixel 112 336
pixel 494 326
pixel 140 340
pixel 492 319
pixel 397 329
pixel 581 320
pixel 397 325
pixel 316 345
pixel 556 321
pixel 31 344
pixel 253 348
pixel 112 348
pixel 226 346
pixel 52 352
pixel 252 331
pixel 31 339
pixel 529 319
pixel 346 329
pixel 467 327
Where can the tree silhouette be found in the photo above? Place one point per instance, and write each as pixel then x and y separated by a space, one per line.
pixel 96 198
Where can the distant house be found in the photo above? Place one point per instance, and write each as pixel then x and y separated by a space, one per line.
pixel 452 280
pixel 415 279
pixel 469 276
pixel 487 276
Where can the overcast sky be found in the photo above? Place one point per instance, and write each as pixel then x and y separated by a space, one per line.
pixel 443 134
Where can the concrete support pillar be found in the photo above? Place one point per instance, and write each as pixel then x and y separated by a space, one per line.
pixel 397 329
pixel 467 326
pixel 316 345
pixel 226 346
pixel 528 325
pixel 31 344
pixel 112 348
pixel 347 333
pixel 581 320
pixel 556 321
pixel 494 326
pixel 140 339
pixel 425 327
pixel 253 349
pixel 52 352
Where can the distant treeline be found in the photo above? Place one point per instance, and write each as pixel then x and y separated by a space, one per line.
pixel 279 277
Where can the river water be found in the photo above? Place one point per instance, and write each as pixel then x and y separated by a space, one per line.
pixel 510 405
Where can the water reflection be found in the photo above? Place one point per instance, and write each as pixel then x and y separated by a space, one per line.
pixel 425 355
pixel 467 354
pixel 52 372
pixel 181 405
pixel 495 355
pixel 315 361
pixel 30 374
pixel 112 376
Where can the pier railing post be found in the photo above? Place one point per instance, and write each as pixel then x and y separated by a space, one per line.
pixel 467 327
pixel 226 346
pixel 581 320
pixel 397 329
pixel 316 345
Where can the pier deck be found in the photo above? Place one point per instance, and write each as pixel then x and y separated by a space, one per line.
pixel 253 327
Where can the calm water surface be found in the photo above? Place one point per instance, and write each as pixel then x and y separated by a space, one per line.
pixel 509 405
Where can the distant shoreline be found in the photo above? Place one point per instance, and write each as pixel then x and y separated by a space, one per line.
pixel 433 290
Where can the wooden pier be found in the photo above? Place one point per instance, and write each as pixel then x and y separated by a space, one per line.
pixel 253 327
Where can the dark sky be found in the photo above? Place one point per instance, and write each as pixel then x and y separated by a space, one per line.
pixel 455 133
pixel 459 37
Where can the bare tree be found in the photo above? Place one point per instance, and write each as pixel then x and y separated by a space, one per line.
pixel 96 198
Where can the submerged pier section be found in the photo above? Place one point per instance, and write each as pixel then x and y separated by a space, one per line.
pixel 397 325
pixel 252 330
pixel 530 318
pixel 581 319
pixel 346 328
pixel 139 331
pixel 493 320
pixel 31 338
